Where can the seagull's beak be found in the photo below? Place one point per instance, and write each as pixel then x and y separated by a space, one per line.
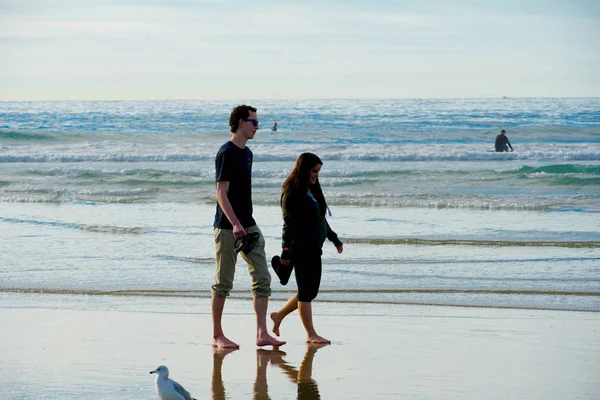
pixel 152 371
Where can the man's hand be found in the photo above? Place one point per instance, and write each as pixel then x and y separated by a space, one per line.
pixel 239 231
pixel 340 248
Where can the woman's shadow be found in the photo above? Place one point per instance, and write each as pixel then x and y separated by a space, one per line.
pixel 302 376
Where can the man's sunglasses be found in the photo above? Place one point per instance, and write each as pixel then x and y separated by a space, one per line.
pixel 254 121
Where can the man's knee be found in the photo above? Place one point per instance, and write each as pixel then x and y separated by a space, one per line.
pixel 225 259
pixel 259 271
pixel 220 289
pixel 223 279
pixel 261 285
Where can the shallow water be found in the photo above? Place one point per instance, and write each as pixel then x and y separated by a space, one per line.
pixel 83 248
pixel 119 196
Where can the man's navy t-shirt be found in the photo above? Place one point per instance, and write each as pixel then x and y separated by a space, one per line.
pixel 234 165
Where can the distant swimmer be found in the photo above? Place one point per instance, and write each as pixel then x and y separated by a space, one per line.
pixel 274 128
pixel 502 144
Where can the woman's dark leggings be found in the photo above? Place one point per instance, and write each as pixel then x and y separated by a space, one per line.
pixel 307 268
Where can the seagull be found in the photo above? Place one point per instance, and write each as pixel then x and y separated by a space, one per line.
pixel 168 389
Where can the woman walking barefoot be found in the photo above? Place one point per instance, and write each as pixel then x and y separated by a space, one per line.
pixel 304 232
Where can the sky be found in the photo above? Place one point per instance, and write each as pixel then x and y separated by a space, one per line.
pixel 315 49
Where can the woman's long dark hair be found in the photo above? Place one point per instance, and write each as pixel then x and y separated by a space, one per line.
pixel 298 181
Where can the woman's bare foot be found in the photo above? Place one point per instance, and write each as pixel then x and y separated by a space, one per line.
pixel 316 339
pixel 276 322
pixel 223 343
pixel 268 340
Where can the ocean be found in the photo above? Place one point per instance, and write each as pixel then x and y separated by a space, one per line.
pixel 116 198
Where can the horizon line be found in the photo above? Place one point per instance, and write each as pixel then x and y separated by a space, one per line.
pixel 303 98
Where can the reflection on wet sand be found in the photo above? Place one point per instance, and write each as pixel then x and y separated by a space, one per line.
pixel 302 376
pixel 263 358
pixel 307 386
pixel 218 388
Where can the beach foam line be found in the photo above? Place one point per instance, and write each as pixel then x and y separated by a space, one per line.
pixel 85 227
pixel 380 302
pixel 112 229
pixel 374 153
pixel 460 242
pixel 202 293
pixel 207 295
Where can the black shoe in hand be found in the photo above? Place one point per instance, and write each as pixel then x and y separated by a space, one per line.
pixel 282 271
pixel 247 243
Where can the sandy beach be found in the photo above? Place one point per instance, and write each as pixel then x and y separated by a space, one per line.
pixel 90 347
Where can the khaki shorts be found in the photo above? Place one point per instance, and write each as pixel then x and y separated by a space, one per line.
pixel 226 258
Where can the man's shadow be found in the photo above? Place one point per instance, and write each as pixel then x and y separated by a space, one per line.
pixel 302 376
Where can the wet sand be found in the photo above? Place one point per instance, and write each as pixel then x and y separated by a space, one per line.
pixel 378 352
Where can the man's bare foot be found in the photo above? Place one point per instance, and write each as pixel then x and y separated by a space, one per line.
pixel 313 347
pixel 276 322
pixel 268 340
pixel 223 343
pixel 221 352
pixel 317 340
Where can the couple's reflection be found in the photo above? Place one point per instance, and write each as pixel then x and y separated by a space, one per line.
pixel 302 376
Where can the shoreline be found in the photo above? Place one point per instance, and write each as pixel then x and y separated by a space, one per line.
pixel 189 294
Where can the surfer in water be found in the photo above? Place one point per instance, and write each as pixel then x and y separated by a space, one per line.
pixel 502 144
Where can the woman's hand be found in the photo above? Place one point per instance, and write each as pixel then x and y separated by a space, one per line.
pixel 340 248
pixel 285 256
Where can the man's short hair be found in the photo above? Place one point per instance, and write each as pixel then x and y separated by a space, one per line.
pixel 502 131
pixel 239 113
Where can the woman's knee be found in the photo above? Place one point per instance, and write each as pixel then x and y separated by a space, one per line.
pixel 306 296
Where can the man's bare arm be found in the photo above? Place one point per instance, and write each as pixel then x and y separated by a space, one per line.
pixel 222 190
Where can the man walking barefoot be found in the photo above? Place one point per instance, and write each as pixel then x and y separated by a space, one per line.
pixel 235 229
